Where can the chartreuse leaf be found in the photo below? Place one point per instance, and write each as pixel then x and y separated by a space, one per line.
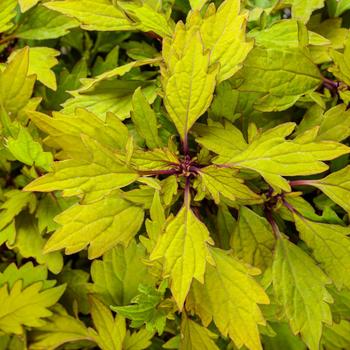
pixel 278 75
pixel 41 60
pixel 95 177
pixel 110 332
pixel 42 23
pixel 26 306
pixel 99 15
pixel 138 340
pixel 271 155
pixel 253 240
pixel 65 130
pixel 229 296
pixel 25 5
pixel 184 247
pixel 16 86
pixel 341 68
pixel 226 140
pixel 224 182
pixel 194 336
pixel 330 247
pixel 340 6
pixel 336 186
pixel 302 10
pixel 157 159
pixel 28 151
pixel 336 337
pixel 147 19
pixel 223 33
pixel 188 82
pixel 197 4
pixel 300 287
pixel 101 225
pixel 144 119
pixel 7 14
pixel 61 328
pixel 117 277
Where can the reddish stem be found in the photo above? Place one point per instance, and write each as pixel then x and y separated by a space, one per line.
pixel 301 183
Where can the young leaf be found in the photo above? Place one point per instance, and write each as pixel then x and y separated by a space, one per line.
pixel 223 33
pixel 184 248
pixel 253 240
pixel 93 15
pixel 300 287
pixel 7 14
pixel 101 225
pixel 330 247
pixel 188 81
pixel 230 296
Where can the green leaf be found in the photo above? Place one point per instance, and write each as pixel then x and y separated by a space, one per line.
pixel 195 337
pixel 138 340
pixel 7 14
pixel 145 308
pixel 101 225
pixel 61 328
pixel 336 337
pixel 223 33
pixel 16 86
pixel 147 19
pixel 300 287
pixel 184 248
pixel 341 7
pixel 188 82
pixel 95 177
pixel 230 296
pixel 224 182
pixel 110 331
pixel 278 75
pixel 253 240
pixel 144 119
pixel 28 151
pixel 42 23
pixel 330 247
pixel 341 69
pixel 25 5
pixel 197 4
pixel 226 140
pixel 93 15
pixel 117 277
pixel 302 10
pixel 271 155
pixel 26 306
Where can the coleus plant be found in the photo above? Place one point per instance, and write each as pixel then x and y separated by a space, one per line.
pixel 178 170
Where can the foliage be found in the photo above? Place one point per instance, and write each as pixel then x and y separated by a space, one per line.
pixel 174 174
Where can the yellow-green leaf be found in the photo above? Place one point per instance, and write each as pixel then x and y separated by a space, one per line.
pixel 184 248
pixel 25 5
pixel 7 14
pixel 300 287
pixel 230 296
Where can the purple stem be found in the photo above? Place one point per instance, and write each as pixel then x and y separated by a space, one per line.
pixel 185 145
pixel 301 183
pixel 159 172
pixel 273 223
pixel 187 193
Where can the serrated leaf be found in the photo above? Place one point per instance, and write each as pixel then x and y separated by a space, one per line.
pixel 196 337
pixel 42 23
pixel 279 76
pixel 60 328
pixel 302 10
pixel 223 33
pixel 95 177
pixel 99 15
pixel 144 119
pixel 101 225
pixel 117 277
pixel 28 151
pixel 147 19
pixel 15 86
pixel 271 155
pixel 138 340
pixel 26 306
pixel 300 287
pixel 7 14
pixel 330 247
pixel 226 140
pixel 157 159
pixel 65 131
pixel 229 297
pixel 336 186
pixel 184 248
pixel 224 182
pixel 253 240
pixel 188 82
